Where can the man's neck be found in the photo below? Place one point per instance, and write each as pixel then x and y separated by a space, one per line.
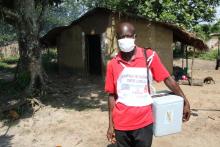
pixel 128 55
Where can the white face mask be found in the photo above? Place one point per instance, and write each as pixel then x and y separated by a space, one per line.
pixel 126 44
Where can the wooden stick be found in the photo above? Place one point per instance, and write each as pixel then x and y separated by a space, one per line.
pixel 211 117
pixel 192 65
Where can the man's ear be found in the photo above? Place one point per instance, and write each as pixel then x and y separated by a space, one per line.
pixel 135 36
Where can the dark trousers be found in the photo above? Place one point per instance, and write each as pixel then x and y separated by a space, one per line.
pixel 136 138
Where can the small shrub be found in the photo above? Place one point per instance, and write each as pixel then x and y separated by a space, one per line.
pixel 5 64
pixel 49 60
pixel 211 55
pixel 11 60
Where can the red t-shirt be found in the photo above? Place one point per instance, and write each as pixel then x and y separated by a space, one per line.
pixel 132 117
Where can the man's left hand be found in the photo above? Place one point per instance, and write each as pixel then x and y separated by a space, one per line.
pixel 186 111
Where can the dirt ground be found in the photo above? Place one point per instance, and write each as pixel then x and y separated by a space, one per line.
pixel 76 115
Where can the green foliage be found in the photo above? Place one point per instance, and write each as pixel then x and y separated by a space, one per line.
pixel 23 78
pixel 6 64
pixel 11 60
pixel 49 60
pixel 204 30
pixel 215 28
pixel 3 66
pixel 7 33
pixel 212 55
pixel 182 12
pixel 188 13
pixel 8 87
pixel 111 4
pixel 62 14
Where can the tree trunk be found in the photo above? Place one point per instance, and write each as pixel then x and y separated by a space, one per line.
pixel 29 70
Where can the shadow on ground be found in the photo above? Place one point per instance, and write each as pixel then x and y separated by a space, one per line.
pixel 112 145
pixel 70 92
pixel 5 140
pixel 76 93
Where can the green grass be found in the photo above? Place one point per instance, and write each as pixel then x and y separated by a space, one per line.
pixel 3 65
pixel 49 62
pixel 7 87
pixel 11 60
pixel 211 55
pixel 6 64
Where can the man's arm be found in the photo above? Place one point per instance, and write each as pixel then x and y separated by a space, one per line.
pixel 174 87
pixel 111 105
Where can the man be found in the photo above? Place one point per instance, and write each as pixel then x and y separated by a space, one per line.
pixel 130 112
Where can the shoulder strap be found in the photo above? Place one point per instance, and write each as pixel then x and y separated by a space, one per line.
pixel 148 80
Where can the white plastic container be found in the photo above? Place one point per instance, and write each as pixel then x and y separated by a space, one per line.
pixel 168 113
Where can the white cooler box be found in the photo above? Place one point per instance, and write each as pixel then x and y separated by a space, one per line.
pixel 168 113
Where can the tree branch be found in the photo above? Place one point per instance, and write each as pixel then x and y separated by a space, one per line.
pixel 44 5
pixel 9 15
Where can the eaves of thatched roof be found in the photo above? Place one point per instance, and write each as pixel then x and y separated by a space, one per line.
pixel 185 37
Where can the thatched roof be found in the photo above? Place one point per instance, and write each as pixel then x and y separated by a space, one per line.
pixel 179 34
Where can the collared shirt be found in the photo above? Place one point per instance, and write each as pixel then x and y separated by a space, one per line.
pixel 129 117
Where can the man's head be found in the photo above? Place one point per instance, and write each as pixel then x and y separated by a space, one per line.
pixel 125 30
pixel 126 36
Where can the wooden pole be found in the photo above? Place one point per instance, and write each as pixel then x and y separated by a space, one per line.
pixel 182 50
pixel 218 45
pixel 218 56
pixel 192 65
pixel 187 66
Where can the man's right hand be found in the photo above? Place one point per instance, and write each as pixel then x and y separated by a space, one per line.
pixel 111 134
pixel 111 131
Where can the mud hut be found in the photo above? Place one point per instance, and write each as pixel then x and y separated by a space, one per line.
pixel 89 42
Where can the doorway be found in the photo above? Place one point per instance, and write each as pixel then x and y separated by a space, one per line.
pixel 93 54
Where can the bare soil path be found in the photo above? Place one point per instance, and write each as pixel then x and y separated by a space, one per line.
pixel 76 115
